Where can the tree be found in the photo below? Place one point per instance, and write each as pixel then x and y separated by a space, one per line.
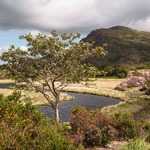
pixel 51 62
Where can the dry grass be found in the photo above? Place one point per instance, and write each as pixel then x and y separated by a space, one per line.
pixel 6 81
pixel 37 98
pixel 105 87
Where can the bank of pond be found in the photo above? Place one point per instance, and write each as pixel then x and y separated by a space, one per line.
pixel 87 101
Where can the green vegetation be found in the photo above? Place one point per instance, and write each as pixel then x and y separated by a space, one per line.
pixel 94 128
pixel 126 47
pixel 36 97
pixel 116 71
pixel 137 144
pixel 50 62
pixel 133 100
pixel 23 127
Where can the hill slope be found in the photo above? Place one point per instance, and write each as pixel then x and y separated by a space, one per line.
pixel 126 47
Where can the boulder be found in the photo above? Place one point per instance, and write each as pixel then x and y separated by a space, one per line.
pixel 143 88
pixel 135 79
pixel 140 73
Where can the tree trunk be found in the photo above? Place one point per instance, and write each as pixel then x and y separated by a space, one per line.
pixel 57 112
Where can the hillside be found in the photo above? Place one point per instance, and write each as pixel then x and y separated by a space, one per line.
pixel 126 47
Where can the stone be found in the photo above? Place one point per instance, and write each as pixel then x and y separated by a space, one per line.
pixel 135 79
pixel 143 88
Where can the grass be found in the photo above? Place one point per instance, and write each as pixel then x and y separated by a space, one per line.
pixel 131 102
pixel 37 98
pixel 98 86
pixel 6 81
pixel 136 144
pixel 109 77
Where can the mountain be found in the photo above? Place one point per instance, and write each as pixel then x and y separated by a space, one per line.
pixel 126 47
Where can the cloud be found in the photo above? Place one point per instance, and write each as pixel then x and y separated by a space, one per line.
pixel 73 15
pixel 2 50
pixel 24 48
pixel 34 32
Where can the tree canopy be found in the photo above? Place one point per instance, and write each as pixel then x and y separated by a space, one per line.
pixel 51 61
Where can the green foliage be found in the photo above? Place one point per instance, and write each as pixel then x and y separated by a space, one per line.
pixel 51 59
pixel 143 66
pixel 83 128
pixel 136 144
pixel 15 96
pixel 58 55
pixel 23 127
pixel 96 129
pixel 126 126
pixel 106 124
pixel 117 71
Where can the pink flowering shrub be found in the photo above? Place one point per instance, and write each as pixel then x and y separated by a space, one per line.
pixel 96 129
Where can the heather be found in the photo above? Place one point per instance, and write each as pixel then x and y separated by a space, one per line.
pixel 93 128
pixel 23 126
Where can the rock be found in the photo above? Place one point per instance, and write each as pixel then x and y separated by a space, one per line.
pixel 147 91
pixel 143 88
pixel 140 73
pixel 119 88
pixel 135 79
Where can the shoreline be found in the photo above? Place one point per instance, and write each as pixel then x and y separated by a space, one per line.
pixel 130 103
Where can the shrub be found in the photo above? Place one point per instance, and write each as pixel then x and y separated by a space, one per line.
pixel 126 126
pixel 117 71
pixel 80 119
pixel 120 71
pixel 83 128
pixel 94 128
pixel 92 136
pixel 106 124
pixel 23 127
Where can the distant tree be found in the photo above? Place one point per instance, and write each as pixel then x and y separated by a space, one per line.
pixel 51 62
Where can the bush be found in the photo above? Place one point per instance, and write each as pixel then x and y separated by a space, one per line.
pixel 120 72
pixel 96 129
pixel 23 127
pixel 83 128
pixel 117 71
pixel 126 126
pixel 106 125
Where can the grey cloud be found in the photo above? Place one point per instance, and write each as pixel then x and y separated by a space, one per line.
pixel 73 15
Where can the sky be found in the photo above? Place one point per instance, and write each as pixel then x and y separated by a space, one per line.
pixel 18 17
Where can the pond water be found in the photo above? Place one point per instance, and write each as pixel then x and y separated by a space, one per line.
pixel 85 100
